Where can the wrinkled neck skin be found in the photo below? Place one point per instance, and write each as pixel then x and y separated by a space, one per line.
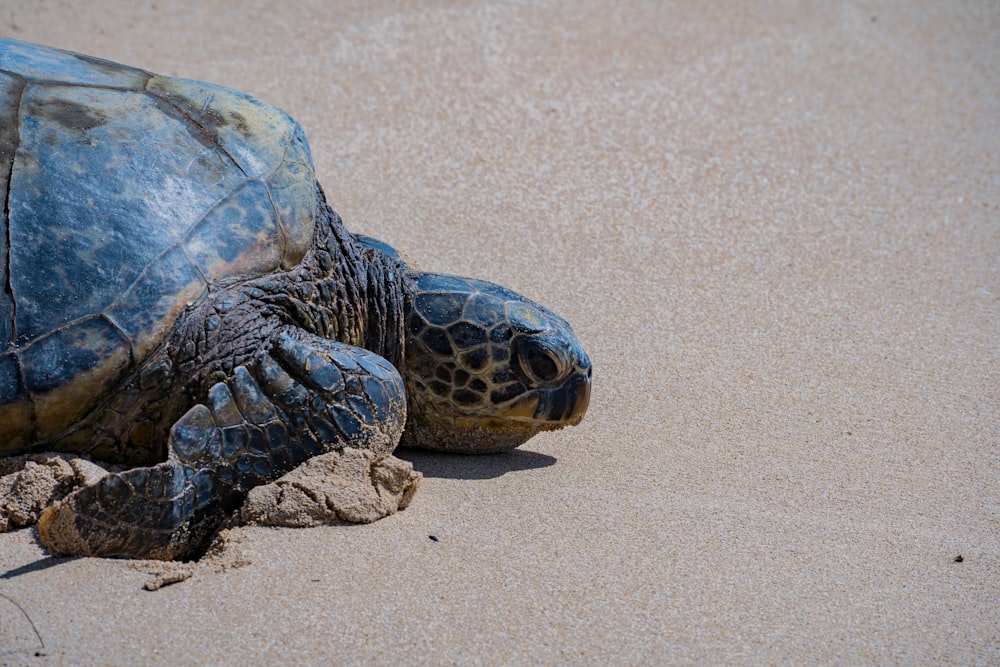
pixel 342 291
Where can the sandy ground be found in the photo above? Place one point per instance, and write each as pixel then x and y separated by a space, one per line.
pixel 774 225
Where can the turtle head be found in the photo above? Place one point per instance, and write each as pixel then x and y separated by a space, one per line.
pixel 486 368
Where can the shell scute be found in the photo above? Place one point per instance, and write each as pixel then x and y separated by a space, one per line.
pixel 50 361
pixel 255 134
pixel 151 305
pixel 239 236
pixel 102 202
pixel 42 63
pixel 68 371
pixel 293 193
pixel 264 142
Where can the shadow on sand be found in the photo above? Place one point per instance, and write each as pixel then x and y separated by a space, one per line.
pixel 482 466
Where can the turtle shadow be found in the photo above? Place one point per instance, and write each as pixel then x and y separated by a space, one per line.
pixel 43 563
pixel 464 466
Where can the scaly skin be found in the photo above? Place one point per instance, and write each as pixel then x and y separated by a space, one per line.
pixel 307 396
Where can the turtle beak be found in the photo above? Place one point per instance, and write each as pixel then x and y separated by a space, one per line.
pixel 581 397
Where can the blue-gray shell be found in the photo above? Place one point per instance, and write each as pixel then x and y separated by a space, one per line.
pixel 127 194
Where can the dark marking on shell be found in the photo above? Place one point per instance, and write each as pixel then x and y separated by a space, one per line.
pixel 67 113
pixel 238 122
pixel 106 207
pixel 244 219
pixel 52 361
pixel 203 135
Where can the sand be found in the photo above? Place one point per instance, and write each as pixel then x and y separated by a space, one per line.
pixel 775 227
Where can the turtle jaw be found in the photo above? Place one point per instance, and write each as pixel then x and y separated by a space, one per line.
pixel 440 425
pixel 465 434
pixel 553 407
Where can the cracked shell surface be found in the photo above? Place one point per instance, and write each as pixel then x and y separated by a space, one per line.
pixel 126 193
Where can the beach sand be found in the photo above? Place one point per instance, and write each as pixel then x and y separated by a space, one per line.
pixel 776 229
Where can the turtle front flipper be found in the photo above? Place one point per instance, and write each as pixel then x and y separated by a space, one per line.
pixel 306 396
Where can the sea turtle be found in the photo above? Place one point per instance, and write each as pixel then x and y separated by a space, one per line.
pixel 178 296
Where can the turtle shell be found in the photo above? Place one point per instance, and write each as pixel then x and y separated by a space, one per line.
pixel 127 194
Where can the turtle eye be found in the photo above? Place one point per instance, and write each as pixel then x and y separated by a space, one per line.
pixel 539 364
